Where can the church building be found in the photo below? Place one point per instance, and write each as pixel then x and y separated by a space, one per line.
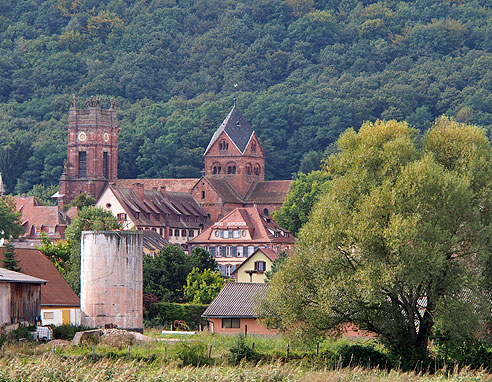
pixel 234 176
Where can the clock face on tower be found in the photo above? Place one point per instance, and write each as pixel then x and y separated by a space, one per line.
pixel 82 136
pixel 106 137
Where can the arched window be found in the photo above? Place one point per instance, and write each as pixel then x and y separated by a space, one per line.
pixel 257 169
pixel 214 170
pixel 220 146
pixel 249 169
pixel 219 170
pixel 253 146
pixel 229 169
pixel 233 169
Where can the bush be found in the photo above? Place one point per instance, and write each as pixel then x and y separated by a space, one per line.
pixel 67 331
pixel 362 355
pixel 242 351
pixel 165 313
pixel 192 353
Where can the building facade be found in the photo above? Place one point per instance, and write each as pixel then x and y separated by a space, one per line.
pixel 236 236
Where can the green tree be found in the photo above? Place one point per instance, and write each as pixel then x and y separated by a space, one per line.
pixel 277 265
pixel 203 286
pixel 10 225
pixel 201 259
pixel 303 194
pixel 165 275
pixel 83 200
pixel 58 253
pixel 9 258
pixel 399 242
pixel 88 219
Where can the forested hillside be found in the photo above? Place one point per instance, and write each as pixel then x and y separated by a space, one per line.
pixel 303 71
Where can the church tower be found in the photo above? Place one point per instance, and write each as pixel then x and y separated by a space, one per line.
pixel 92 158
pixel 234 154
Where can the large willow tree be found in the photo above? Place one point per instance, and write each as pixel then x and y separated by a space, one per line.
pixel 398 244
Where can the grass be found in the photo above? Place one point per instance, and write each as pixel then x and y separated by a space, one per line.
pixel 159 361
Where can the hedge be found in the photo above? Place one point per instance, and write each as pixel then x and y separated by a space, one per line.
pixel 165 313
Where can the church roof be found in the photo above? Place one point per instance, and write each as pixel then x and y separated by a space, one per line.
pixel 268 191
pixel 236 127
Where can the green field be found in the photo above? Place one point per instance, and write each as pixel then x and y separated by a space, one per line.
pixel 117 359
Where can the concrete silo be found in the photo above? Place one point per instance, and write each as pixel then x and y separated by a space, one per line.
pixel 111 284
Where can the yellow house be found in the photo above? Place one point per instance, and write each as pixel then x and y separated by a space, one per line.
pixel 253 269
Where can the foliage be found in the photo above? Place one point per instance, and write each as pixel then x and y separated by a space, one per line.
pixel 165 275
pixel 67 331
pixel 399 242
pixel 88 219
pixel 43 194
pixel 10 224
pixel 201 259
pixel 303 194
pixel 241 351
pixel 203 287
pixel 82 200
pixel 193 353
pixel 58 253
pixel 362 355
pixel 277 264
pixel 305 71
pixel 10 259
pixel 165 313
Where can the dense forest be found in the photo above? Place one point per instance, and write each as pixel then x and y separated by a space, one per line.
pixel 303 71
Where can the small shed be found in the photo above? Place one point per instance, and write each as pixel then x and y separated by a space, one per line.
pixel 20 298
pixel 233 310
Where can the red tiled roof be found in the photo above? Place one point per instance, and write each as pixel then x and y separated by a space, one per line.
pixel 261 228
pixel 268 191
pixel 176 185
pixel 224 189
pixel 56 292
pixel 40 216
pixel 154 202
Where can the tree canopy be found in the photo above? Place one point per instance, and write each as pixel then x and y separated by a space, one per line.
pixel 305 70
pixel 398 244
pixel 10 224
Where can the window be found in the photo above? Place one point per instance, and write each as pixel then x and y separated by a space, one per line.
pixel 183 232
pixel 219 170
pixel 260 266
pixel 37 230
pixel 178 218
pixel 276 234
pixel 192 233
pixel 236 234
pixel 171 232
pixel 160 231
pixel 48 315
pixel 228 252
pixel 217 233
pixel 231 323
pixel 105 165
pixel 214 170
pixel 240 251
pixel 121 216
pixel 249 169
pixel 176 232
pixel 257 169
pixel 51 230
pixel 187 218
pixel 203 197
pixel 223 251
pixel 229 268
pixel 251 249
pixel 82 164
pixel 223 146
pixel 211 250
pixel 253 146
pixel 265 211
pixel 243 232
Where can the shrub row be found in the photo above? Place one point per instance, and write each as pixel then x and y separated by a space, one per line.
pixel 165 313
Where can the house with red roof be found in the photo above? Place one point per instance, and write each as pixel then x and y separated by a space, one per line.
pixel 37 218
pixel 59 303
pixel 236 236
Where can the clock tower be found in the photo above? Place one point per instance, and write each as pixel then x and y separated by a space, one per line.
pixel 92 158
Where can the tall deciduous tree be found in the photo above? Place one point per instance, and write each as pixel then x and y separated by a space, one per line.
pixel 203 286
pixel 399 242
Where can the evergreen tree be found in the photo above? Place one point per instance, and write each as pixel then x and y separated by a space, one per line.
pixel 9 258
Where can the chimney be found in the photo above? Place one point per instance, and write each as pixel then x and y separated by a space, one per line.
pixel 163 191
pixel 139 189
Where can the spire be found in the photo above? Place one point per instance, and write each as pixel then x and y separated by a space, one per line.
pixel 2 188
